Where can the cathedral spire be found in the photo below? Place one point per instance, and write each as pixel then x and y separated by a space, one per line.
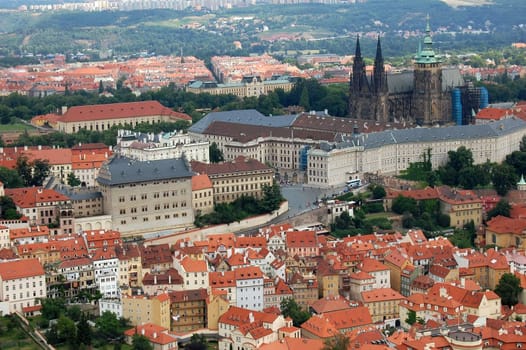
pixel 379 56
pixel 358 52
pixel 379 78
pixel 427 54
pixel 358 79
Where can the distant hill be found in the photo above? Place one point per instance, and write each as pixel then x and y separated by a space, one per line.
pixel 457 3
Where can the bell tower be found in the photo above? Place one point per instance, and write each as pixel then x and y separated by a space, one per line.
pixel 428 107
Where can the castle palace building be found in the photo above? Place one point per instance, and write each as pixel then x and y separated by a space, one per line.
pixel 429 94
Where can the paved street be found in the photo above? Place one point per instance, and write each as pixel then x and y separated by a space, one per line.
pixel 302 198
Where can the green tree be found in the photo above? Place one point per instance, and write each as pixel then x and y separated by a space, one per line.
pixel 338 342
pixel 67 331
pixel 74 312
pixel 101 87
pixel 304 99
pixel 40 172
pixel 289 308
pixel 502 208
pixel 522 146
pixel 8 209
pixel 23 167
pixel 72 180
pixel 272 198
pixel 84 331
pixel 197 342
pixel 140 342
pixel 52 335
pixel 378 192
pixel 411 318
pixel 509 289
pixel 10 178
pixel 108 326
pixel 504 178
pixel 52 308
pixel 403 204
pixel 216 155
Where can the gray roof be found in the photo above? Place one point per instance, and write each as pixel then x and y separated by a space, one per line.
pixel 403 82
pixel 400 82
pixel 462 132
pixel 122 170
pixel 76 193
pixel 245 116
pixel 451 78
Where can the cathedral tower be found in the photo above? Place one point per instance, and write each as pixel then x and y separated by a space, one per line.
pixel 428 104
pixel 359 90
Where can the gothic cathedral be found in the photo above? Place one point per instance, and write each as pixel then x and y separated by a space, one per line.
pixel 421 96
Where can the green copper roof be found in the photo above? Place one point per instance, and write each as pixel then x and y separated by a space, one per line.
pixel 427 54
pixel 521 182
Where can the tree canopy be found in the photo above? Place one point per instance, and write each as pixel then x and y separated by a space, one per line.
pixel 290 308
pixel 509 289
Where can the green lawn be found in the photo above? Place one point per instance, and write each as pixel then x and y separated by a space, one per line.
pixel 15 127
pixel 12 337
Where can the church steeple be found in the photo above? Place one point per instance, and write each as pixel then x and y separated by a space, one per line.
pixel 358 78
pixel 427 54
pixel 358 52
pixel 379 77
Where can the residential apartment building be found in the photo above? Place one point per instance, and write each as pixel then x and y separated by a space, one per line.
pixel 462 206
pixel 86 160
pixel 506 232
pixel 194 273
pixel 240 177
pixel 245 328
pixel 147 196
pixel 383 305
pixel 78 275
pixel 140 309
pixel 249 288
pixel 85 202
pixel 5 241
pixel 43 206
pixel 22 284
pixel 302 243
pixel 304 289
pixel 103 117
pixel 202 194
pixel 189 310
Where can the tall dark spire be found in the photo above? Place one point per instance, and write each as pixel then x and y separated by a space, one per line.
pixel 379 77
pixel 379 58
pixel 358 79
pixel 358 52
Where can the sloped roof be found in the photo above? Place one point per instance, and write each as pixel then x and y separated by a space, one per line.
pixel 246 116
pixel 238 165
pixel 122 170
pixel 16 269
pixel 120 110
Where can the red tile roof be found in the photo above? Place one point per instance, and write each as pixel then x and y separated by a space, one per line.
pixel 16 269
pixel 28 197
pixel 301 239
pixel 239 165
pixel 120 110
pixel 201 182
pixel 381 294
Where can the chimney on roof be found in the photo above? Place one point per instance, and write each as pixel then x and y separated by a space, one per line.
pixel 64 110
